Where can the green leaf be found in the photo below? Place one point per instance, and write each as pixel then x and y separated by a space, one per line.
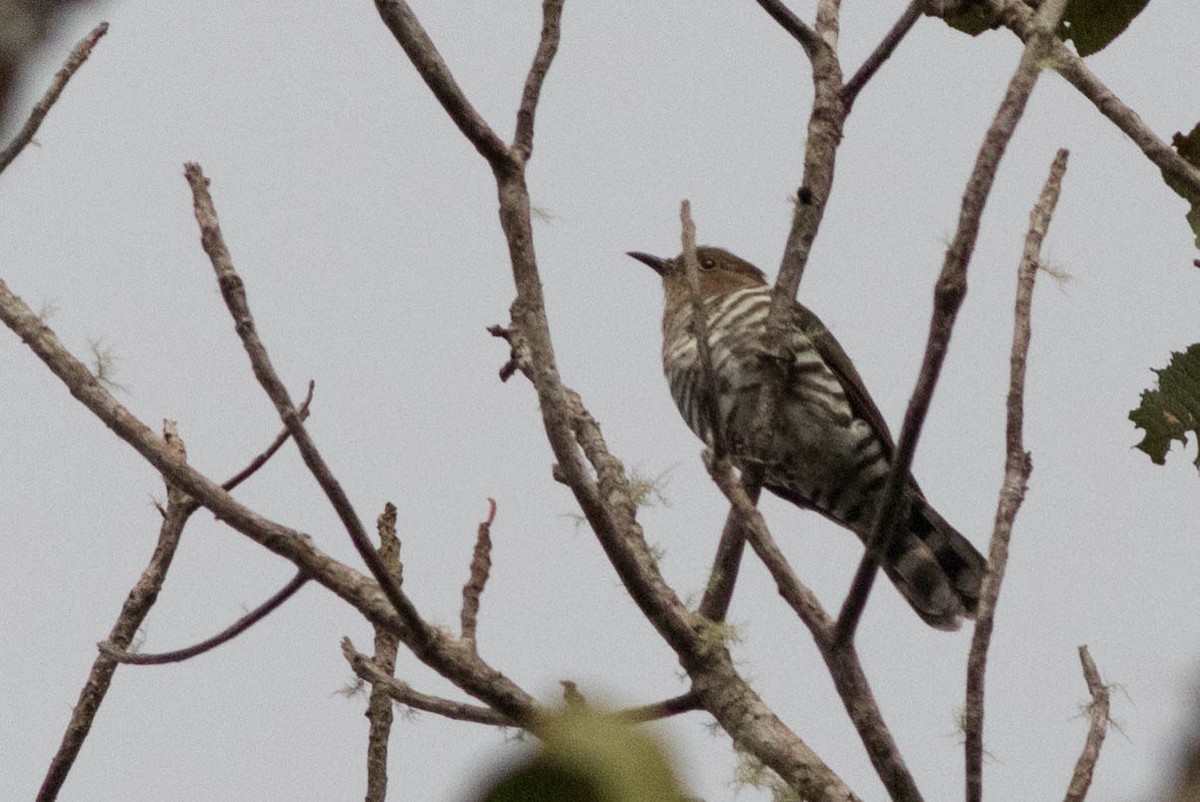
pixel 591 756
pixel 1173 409
pixel 1092 24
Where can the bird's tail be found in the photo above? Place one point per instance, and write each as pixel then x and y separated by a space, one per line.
pixel 936 569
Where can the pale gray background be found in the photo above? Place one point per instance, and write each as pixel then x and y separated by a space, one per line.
pixel 365 228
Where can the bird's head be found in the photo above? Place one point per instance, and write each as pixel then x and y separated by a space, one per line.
pixel 719 271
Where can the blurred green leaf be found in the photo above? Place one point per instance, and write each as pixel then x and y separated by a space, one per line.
pixel 590 756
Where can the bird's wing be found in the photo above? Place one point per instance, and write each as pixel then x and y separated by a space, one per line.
pixel 837 360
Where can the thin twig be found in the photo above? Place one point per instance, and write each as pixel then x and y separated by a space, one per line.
pixel 656 711
pixel 366 669
pixel 234 292
pixel 1081 779
pixel 387 646
pixel 798 28
pixel 547 47
pixel 947 298
pixel 276 444
pixel 79 54
pixel 708 380
pixel 727 563
pixel 419 48
pixel 881 53
pixel 137 606
pixel 121 655
pixel 481 566
pixel 1017 468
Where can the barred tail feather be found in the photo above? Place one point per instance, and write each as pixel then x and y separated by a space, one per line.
pixel 937 570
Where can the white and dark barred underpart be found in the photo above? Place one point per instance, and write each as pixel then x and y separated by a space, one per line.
pixel 824 454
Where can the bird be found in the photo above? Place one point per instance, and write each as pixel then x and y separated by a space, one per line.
pixel 829 447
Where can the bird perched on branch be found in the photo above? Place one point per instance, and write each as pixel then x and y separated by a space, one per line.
pixel 829 448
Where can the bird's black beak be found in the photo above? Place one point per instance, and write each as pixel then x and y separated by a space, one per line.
pixel 656 263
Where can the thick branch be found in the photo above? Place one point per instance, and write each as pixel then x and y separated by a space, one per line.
pixel 947 298
pixel 79 54
pixel 1017 467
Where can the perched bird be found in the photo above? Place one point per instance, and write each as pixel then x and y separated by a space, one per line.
pixel 830 449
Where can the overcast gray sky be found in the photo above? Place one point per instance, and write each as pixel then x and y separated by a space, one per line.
pixel 365 229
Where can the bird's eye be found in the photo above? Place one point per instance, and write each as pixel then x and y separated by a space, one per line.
pixel 707 264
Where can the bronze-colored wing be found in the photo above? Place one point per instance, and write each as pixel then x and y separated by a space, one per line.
pixel 837 360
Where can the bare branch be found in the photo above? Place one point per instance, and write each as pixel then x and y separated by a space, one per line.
pixel 387 645
pixel 823 136
pixel 369 671
pixel 481 566
pixel 683 703
pixel 881 53
pixel 947 298
pixel 443 653
pixel 234 292
pixel 708 383
pixel 79 54
pixel 802 601
pixel 1018 18
pixel 366 668
pixel 844 666
pixel 727 562
pixel 137 606
pixel 119 654
pixel 276 444
pixel 547 47
pixel 1017 467
pixel 608 501
pixel 419 48
pixel 1081 780
pixel 798 28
